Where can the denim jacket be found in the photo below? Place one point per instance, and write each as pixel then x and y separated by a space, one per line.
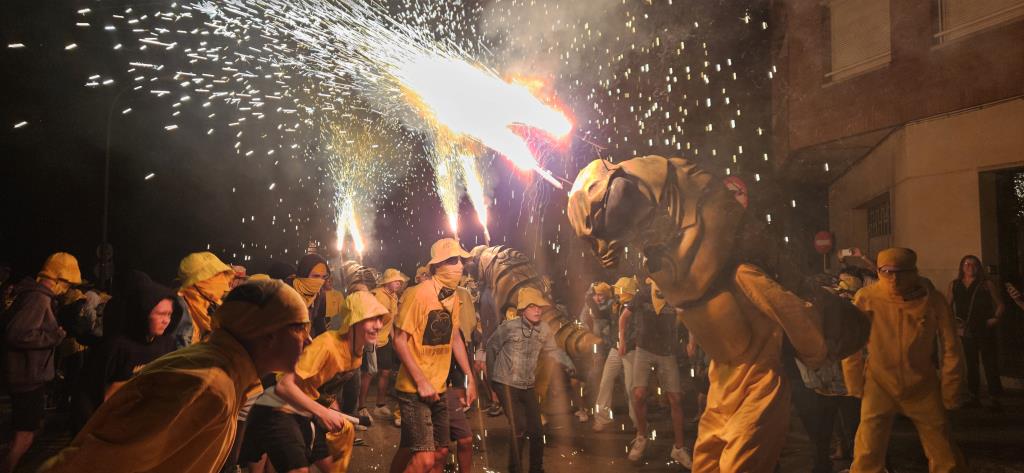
pixel 514 349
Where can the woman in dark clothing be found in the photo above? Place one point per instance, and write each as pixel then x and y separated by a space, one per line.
pixel 135 333
pixel 978 308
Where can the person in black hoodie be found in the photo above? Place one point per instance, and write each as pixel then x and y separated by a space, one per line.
pixel 135 333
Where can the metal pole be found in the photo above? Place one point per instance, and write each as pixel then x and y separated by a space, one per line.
pixel 106 168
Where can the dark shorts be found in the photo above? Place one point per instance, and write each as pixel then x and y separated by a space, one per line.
pixel 458 424
pixel 386 358
pixel 27 410
pixel 424 425
pixel 289 440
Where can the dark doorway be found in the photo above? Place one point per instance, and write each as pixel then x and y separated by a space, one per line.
pixel 1002 227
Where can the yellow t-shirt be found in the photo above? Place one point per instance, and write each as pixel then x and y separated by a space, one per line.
pixel 324 364
pixel 389 300
pixel 429 324
pixel 328 356
pixel 334 301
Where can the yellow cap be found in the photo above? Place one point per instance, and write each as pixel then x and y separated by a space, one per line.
pixel 530 296
pixel 200 267
pixel 63 267
pixel 897 258
pixel 627 285
pixel 359 306
pixel 392 275
pixel 259 277
pixel 260 307
pixel 446 248
pixel 602 288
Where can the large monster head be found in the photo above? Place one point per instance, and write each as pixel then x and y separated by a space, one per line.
pixel 683 219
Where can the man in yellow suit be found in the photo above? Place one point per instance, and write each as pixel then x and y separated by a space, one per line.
pixel 900 376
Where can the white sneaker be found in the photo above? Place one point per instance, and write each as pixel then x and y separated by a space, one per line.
pixel 366 413
pixel 582 416
pixel 636 450
pixel 382 411
pixel 682 457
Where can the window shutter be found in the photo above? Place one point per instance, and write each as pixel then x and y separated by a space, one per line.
pixel 959 18
pixel 860 33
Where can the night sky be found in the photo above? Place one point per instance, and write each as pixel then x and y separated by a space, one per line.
pixel 625 73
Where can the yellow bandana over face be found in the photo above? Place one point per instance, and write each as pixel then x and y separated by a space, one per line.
pixel 200 296
pixel 449 275
pixel 308 288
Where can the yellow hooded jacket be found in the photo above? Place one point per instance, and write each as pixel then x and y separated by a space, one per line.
pixel 176 416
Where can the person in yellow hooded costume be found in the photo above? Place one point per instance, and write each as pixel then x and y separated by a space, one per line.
pixel 205 280
pixel 293 422
pixel 899 375
pixel 426 339
pixel 686 222
pixel 178 415
pixel 387 293
pixel 31 334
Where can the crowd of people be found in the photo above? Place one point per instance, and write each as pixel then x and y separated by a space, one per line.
pixel 273 372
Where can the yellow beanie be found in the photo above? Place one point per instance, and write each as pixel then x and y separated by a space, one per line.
pixel 260 307
pixel 63 267
pixel 529 296
pixel 897 258
pixel 200 267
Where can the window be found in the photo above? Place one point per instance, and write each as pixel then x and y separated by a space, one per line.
pixel 859 33
pixel 959 18
pixel 878 218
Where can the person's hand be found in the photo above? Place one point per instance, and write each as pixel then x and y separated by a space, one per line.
pixel 992 322
pixel 427 392
pixel 479 366
pixel 470 394
pixel 332 420
pixel 1013 292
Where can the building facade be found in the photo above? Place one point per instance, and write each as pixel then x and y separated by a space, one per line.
pixel 911 113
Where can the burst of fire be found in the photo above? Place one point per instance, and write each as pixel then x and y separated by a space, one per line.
pixel 475 102
pixel 475 190
pixel 348 224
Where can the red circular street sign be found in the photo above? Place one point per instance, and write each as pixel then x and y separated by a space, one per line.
pixel 823 242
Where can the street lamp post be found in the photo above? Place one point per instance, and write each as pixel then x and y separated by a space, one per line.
pixel 105 252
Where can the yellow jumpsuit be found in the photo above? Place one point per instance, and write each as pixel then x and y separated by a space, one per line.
pixel 899 376
pixel 741 328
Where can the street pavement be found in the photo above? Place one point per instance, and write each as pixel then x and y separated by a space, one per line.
pixel 992 442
